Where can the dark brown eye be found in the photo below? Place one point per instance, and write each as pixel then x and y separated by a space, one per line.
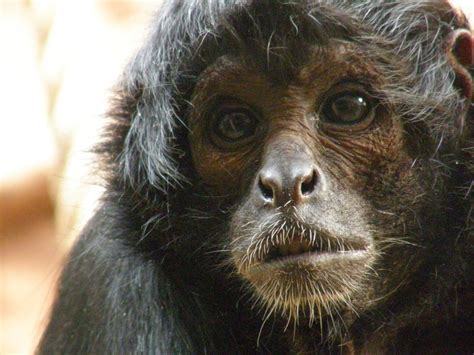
pixel 346 108
pixel 233 126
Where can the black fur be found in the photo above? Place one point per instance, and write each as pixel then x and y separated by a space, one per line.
pixel 144 276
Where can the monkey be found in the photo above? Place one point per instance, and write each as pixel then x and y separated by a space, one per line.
pixel 282 177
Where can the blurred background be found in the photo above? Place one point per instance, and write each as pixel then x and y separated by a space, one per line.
pixel 59 60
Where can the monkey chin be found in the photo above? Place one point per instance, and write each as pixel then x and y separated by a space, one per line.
pixel 311 285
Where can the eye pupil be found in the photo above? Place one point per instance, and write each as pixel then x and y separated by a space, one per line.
pixel 346 109
pixel 235 125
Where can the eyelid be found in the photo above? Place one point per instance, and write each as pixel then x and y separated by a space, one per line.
pixel 223 115
pixel 227 105
pixel 343 88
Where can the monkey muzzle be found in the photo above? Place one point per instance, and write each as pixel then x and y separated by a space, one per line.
pixel 290 243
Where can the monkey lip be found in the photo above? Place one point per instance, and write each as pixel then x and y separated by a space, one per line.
pixel 316 257
pixel 305 249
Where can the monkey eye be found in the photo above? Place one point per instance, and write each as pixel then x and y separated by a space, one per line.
pixel 233 126
pixel 347 108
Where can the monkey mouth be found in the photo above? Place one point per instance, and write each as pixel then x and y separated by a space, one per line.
pixel 290 248
pixel 292 263
pixel 310 245
pixel 290 244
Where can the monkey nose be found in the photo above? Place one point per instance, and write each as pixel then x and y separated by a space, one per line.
pixel 279 185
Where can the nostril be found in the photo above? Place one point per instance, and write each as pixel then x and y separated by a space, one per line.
pixel 309 183
pixel 267 191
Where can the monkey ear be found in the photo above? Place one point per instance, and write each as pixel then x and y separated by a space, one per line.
pixel 461 57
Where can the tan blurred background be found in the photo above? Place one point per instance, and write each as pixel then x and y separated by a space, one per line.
pixel 58 61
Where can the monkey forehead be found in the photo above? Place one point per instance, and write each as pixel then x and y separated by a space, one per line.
pixel 241 76
pixel 340 59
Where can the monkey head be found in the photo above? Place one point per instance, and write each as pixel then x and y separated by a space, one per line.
pixel 328 160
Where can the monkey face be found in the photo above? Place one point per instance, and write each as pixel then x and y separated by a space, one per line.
pixel 316 164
